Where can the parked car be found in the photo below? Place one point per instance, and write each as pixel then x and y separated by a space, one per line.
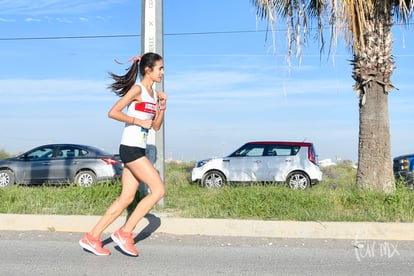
pixel 60 164
pixel 403 167
pixel 294 163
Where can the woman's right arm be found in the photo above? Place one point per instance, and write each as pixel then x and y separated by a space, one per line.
pixel 117 110
pixel 117 113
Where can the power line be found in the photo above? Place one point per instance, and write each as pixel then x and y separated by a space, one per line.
pixel 219 32
pixel 124 35
pixel 138 35
pixel 67 37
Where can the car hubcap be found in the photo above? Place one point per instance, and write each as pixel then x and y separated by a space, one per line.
pixel 214 181
pixel 4 180
pixel 85 180
pixel 298 182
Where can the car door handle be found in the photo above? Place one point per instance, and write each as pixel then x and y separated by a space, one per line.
pixel 226 160
pixel 46 163
pixel 258 161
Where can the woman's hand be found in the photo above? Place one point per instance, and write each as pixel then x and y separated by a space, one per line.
pixel 145 123
pixel 162 98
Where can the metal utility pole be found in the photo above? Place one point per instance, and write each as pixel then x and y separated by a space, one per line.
pixel 152 34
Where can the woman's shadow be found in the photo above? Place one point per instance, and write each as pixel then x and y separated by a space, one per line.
pixel 153 225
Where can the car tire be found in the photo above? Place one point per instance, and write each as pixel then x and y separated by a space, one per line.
pixel 85 178
pixel 298 181
pixel 6 178
pixel 213 180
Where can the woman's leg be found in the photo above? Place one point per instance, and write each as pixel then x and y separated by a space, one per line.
pixel 143 170
pixel 129 188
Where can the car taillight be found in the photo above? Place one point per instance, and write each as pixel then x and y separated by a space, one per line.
pixel 311 155
pixel 110 161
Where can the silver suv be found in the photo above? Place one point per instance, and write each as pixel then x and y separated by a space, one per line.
pixel 294 163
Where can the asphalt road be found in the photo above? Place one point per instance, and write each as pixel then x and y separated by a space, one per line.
pixel 58 253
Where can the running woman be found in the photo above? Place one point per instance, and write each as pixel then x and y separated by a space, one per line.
pixel 145 109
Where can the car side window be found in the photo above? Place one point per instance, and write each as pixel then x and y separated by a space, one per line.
pixel 282 150
pixel 71 152
pixel 63 153
pixel 294 150
pixel 255 150
pixel 40 153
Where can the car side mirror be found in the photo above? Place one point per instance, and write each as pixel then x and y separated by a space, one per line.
pixel 24 157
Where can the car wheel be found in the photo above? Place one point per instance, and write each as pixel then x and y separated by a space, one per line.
pixel 85 178
pixel 213 180
pixel 298 181
pixel 6 178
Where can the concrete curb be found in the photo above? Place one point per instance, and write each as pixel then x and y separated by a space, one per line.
pixel 218 227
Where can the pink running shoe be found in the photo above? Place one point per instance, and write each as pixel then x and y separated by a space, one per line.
pixel 93 245
pixel 125 241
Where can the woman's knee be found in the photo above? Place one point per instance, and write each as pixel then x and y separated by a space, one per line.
pixel 125 200
pixel 158 192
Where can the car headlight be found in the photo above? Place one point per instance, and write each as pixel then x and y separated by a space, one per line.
pixel 401 161
pixel 202 163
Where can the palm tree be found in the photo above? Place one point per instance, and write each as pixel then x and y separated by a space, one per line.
pixel 365 26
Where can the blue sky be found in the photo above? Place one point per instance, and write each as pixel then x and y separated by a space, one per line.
pixel 224 88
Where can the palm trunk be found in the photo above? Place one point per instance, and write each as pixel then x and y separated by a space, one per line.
pixel 373 66
pixel 374 148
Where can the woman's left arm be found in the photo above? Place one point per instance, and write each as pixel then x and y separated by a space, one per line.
pixel 161 107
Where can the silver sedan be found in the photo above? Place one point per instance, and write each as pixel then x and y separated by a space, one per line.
pixel 60 164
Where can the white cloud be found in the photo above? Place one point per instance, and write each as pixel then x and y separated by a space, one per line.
pixel 209 86
pixel 6 20
pixel 53 90
pixel 30 19
pixel 39 7
pixel 63 20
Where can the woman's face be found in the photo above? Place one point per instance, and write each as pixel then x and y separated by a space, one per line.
pixel 157 72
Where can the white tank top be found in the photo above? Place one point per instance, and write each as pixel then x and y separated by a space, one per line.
pixel 133 135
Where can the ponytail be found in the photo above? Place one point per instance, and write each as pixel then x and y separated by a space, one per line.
pixel 122 84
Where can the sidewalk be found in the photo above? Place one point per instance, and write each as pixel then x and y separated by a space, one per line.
pixel 218 227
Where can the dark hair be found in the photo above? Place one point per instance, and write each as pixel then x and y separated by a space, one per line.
pixel 122 84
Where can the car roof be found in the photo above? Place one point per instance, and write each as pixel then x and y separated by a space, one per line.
pixel 73 145
pixel 404 156
pixel 281 143
pixel 63 144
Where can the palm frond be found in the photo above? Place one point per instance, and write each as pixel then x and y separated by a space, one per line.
pixel 295 13
pixel 403 9
pixel 347 18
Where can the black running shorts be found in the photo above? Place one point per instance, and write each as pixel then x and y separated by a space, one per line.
pixel 129 154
